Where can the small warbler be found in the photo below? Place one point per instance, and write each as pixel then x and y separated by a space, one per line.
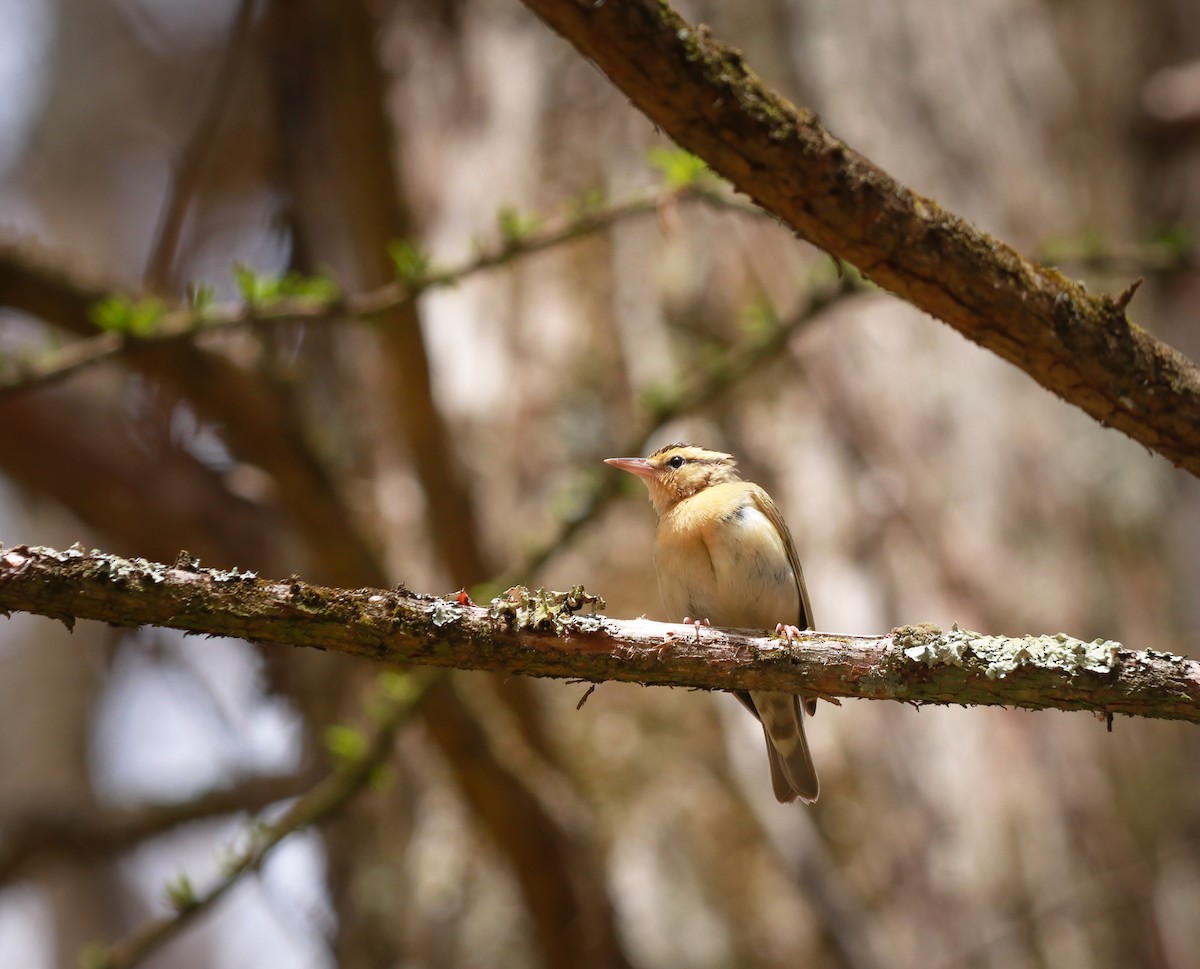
pixel 724 555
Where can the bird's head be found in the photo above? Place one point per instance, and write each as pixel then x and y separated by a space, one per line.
pixel 679 471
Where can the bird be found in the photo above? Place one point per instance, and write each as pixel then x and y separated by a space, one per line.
pixel 723 552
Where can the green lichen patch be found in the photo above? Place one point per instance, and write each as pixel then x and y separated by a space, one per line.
pixel 542 611
pixel 138 569
pixel 1001 655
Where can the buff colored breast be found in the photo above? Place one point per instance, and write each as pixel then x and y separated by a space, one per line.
pixel 718 557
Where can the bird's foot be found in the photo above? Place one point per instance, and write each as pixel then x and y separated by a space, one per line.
pixel 787 631
pixel 696 623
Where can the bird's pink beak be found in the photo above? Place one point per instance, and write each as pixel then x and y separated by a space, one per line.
pixel 639 466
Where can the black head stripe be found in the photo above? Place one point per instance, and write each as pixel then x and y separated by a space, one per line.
pixel 670 447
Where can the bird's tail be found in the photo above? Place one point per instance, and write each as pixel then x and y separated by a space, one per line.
pixel 793 774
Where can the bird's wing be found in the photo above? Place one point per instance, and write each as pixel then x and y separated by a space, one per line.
pixel 767 506
pixel 763 502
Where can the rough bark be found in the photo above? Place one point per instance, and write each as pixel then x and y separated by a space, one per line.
pixel 544 635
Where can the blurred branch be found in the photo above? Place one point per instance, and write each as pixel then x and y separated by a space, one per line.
pixel 76 444
pixel 93 829
pixel 351 775
pixel 348 206
pixel 260 425
pixel 186 173
pixel 703 94
pixel 539 635
pixel 699 391
pixel 48 367
pixel 45 284
pixel 32 280
pixel 336 132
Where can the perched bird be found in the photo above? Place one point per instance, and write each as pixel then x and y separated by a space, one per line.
pixel 724 555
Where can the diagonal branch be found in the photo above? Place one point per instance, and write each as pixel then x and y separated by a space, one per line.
pixel 742 360
pixel 541 635
pixel 318 804
pixel 1078 346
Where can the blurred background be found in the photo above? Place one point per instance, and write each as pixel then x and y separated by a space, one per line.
pixel 146 145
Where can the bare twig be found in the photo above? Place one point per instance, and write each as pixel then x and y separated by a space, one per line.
pixel 182 322
pixel 319 803
pixel 45 829
pixel 45 368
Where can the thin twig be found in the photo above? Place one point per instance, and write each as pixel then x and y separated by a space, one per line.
pixel 186 322
pixel 742 360
pixel 47 368
pixel 321 802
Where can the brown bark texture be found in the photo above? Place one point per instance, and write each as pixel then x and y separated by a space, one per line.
pixel 547 634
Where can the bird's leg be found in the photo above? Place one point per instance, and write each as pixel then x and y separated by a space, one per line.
pixel 689 621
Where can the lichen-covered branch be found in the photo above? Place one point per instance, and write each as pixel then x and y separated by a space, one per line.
pixel 704 95
pixel 553 635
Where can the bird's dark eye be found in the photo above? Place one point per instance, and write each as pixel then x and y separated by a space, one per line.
pixel 676 462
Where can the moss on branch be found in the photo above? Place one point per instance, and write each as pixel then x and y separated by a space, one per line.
pixel 557 635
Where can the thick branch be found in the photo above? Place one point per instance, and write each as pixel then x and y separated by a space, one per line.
pixel 540 635
pixel 705 97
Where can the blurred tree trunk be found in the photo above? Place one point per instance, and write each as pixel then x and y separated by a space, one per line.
pixel 336 142
pixel 48 697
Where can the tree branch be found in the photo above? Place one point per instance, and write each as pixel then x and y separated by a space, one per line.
pixel 703 94
pixel 320 803
pixel 90 829
pixel 542 635
pixel 37 282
